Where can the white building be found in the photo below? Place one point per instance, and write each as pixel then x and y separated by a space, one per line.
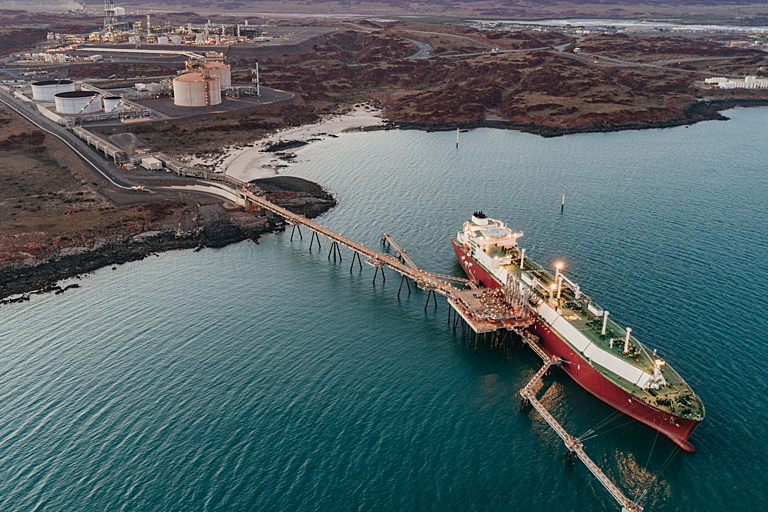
pixel 748 82
pixel 151 164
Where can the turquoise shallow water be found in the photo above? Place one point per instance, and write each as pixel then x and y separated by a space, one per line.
pixel 263 377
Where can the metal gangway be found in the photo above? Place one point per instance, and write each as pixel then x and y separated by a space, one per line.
pixel 572 444
pixel 399 251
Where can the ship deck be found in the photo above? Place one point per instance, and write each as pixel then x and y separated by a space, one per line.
pixel 676 397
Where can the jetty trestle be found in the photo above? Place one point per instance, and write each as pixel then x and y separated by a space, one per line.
pixel 478 310
pixel 572 444
pixel 400 263
pixel 295 228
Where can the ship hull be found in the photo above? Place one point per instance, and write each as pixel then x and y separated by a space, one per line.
pixel 676 428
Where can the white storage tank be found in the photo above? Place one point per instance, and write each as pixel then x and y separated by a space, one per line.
pixel 77 102
pixel 113 104
pixel 162 40
pixel 48 89
pixel 220 70
pixel 176 39
pixel 196 90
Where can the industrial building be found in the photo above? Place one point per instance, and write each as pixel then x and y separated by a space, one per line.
pixel 151 164
pixel 78 102
pixel 48 89
pixel 196 90
pixel 748 82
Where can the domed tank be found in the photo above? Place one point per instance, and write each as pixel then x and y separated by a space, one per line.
pixel 48 89
pixel 77 102
pixel 113 104
pixel 196 90
pixel 219 69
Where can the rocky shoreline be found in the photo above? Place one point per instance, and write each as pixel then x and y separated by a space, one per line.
pixel 216 227
pixel 213 226
pixel 706 110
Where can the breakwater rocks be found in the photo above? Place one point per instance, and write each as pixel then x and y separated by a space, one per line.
pixel 212 225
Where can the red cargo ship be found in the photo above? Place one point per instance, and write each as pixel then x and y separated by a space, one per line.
pixel 601 357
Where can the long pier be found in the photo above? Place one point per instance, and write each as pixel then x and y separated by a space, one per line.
pixel 573 444
pixel 423 279
pixel 484 310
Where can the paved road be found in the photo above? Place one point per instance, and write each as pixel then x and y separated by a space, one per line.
pixel 592 57
pixel 157 181
pixel 81 149
pixel 496 52
pixel 424 50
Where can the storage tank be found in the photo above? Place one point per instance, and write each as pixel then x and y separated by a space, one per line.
pixel 176 39
pixel 77 102
pixel 48 89
pixel 162 40
pixel 220 70
pixel 196 90
pixel 113 104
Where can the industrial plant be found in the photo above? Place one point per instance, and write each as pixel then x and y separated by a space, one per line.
pixel 204 80
pixel 118 31
pixel 89 100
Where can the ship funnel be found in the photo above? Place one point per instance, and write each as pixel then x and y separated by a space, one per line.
pixel 480 219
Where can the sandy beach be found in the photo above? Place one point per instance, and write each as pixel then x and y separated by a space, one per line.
pixel 253 162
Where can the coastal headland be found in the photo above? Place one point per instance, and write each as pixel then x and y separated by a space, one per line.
pixel 323 77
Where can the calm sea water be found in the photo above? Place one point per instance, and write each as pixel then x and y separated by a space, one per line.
pixel 264 377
